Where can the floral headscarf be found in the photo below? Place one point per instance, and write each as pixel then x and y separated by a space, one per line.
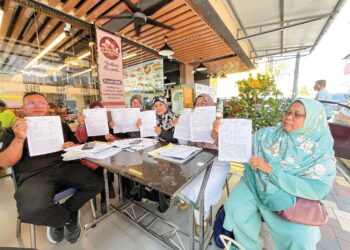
pixel 306 152
pixel 164 121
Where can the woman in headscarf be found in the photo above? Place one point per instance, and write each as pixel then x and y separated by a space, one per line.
pixel 294 159
pixel 218 174
pixel 165 118
pixel 82 137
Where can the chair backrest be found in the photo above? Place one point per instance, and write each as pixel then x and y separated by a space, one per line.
pixel 228 242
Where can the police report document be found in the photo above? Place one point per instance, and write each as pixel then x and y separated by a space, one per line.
pixel 44 135
pixel 235 140
pixel 125 119
pixel 202 124
pixel 183 126
pixel 96 121
pixel 149 122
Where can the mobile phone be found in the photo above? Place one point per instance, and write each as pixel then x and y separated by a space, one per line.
pixel 89 145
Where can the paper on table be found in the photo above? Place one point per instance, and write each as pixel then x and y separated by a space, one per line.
pixel 178 151
pixel 125 119
pixel 183 126
pixel 235 140
pixel 149 122
pixel 202 124
pixel 96 121
pixel 44 135
pixel 135 143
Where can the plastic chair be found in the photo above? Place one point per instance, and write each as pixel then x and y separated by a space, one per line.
pixel 66 193
pixel 228 242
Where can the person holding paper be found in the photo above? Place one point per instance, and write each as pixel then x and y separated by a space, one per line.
pixel 218 174
pixel 136 101
pixel 292 160
pixel 82 137
pixel 165 118
pixel 39 177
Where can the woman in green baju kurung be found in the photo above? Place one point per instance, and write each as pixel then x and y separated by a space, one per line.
pixel 295 159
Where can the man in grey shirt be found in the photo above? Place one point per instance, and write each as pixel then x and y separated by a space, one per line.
pixel 323 95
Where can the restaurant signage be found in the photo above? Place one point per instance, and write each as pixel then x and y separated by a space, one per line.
pixel 110 69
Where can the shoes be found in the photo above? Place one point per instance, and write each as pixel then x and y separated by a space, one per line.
pixel 198 228
pixel 183 206
pixel 73 228
pixel 55 235
pixel 103 207
pixel 164 203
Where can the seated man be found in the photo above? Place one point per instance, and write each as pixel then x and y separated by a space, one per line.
pixel 41 177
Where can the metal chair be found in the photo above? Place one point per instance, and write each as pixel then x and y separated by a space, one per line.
pixel 228 242
pixel 64 194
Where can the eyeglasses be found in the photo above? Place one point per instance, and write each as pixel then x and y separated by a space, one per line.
pixel 32 104
pixel 295 115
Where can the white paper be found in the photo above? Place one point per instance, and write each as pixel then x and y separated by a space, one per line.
pixel 149 122
pixel 135 144
pixel 178 151
pixel 202 124
pixel 235 140
pixel 44 135
pixel 96 121
pixel 125 119
pixel 99 151
pixel 183 126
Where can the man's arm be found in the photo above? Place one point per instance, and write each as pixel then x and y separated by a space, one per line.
pixel 13 148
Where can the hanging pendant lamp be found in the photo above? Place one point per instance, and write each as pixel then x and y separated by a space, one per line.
pixel 201 67
pixel 166 50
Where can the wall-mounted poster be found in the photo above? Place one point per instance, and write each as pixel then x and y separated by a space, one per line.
pixel 110 69
pixel 144 77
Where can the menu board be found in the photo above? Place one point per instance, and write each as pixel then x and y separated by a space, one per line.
pixel 144 77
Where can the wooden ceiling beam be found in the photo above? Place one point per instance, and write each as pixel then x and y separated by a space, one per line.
pixel 84 8
pixel 103 7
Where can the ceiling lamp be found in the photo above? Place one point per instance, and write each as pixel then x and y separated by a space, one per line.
pixel 201 67
pixel 166 50
pixel 73 62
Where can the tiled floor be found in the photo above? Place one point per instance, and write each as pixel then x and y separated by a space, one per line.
pixel 117 233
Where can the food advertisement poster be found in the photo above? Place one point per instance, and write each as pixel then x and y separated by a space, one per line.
pixel 144 77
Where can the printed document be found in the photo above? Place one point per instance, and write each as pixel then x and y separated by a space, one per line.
pixel 44 135
pixel 235 140
pixel 125 119
pixel 96 121
pixel 149 122
pixel 183 126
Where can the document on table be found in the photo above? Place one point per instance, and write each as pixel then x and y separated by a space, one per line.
pixel 202 124
pixel 135 144
pixel 235 140
pixel 99 151
pixel 183 126
pixel 44 135
pixel 175 153
pixel 149 122
pixel 125 119
pixel 96 121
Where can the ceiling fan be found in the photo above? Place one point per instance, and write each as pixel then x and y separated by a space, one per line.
pixel 140 17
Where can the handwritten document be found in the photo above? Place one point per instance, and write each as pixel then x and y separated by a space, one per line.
pixel 149 121
pixel 183 126
pixel 96 121
pixel 235 140
pixel 44 135
pixel 125 119
pixel 202 124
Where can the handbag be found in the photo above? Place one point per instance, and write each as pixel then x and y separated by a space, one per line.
pixel 307 212
pixel 89 164
pixel 219 229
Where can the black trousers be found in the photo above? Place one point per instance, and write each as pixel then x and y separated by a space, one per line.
pixel 35 194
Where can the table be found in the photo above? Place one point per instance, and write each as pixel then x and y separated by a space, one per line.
pixel 163 176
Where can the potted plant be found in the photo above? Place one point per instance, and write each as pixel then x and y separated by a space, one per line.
pixel 258 100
